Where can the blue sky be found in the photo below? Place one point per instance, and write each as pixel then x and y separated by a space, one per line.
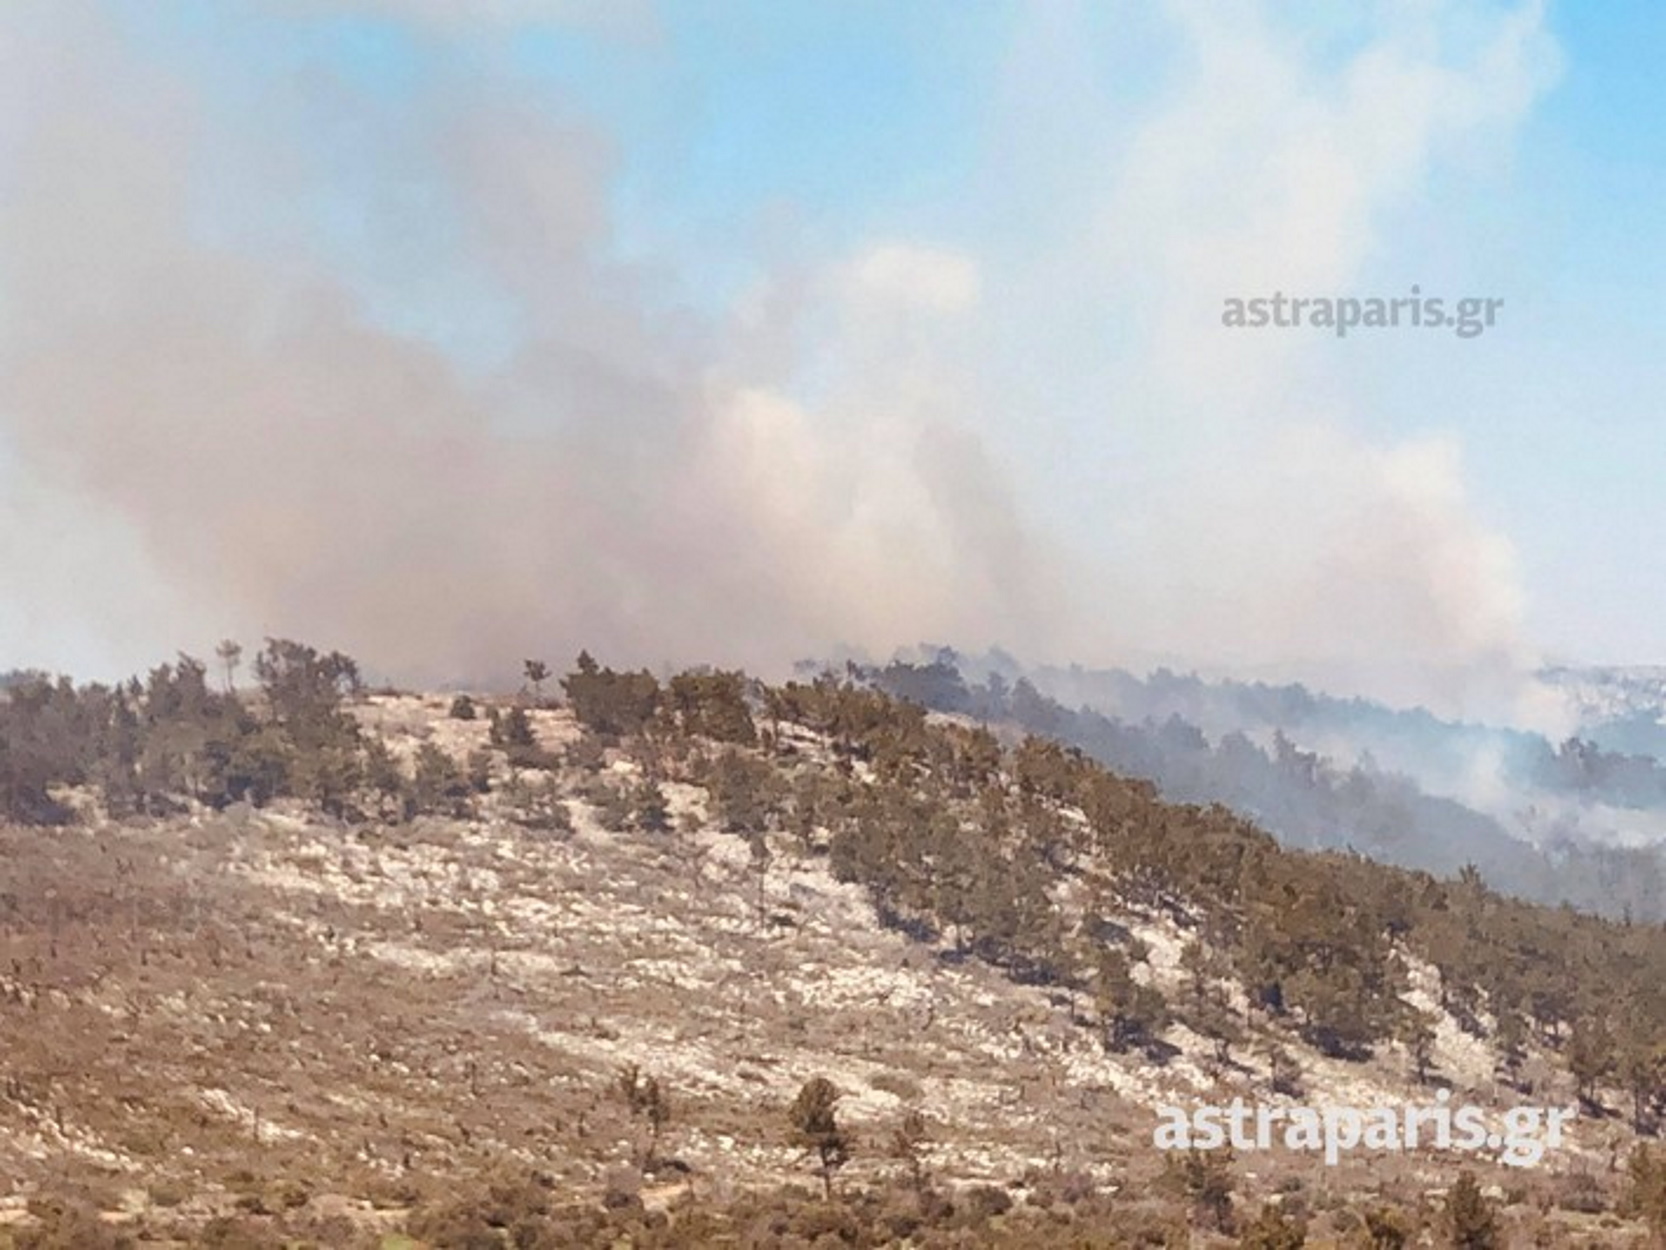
pixel 892 228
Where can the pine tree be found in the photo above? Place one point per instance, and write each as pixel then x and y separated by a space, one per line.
pixel 815 1128
pixel 1590 1056
pixel 1646 1196
pixel 608 703
pixel 230 653
pixel 1512 1045
pixel 1132 1014
pixel 1386 1229
pixel 537 673
pixel 440 786
pixel 1470 1221
pixel 650 813
pixel 1206 1180
pixel 1415 1031
pixel 1641 1067
pixel 712 705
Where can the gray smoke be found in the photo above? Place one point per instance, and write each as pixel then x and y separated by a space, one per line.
pixel 254 361
pixel 306 471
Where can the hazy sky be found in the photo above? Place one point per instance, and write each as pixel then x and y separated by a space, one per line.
pixel 452 331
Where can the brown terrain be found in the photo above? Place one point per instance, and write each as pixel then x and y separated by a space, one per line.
pixel 259 1027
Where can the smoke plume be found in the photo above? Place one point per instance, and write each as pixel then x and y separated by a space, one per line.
pixel 398 390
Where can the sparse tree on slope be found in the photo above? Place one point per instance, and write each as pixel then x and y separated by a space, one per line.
pixel 815 1128
pixel 649 1102
pixel 537 673
pixel 1415 1030
pixel 1470 1221
pixel 1590 1057
pixel 1646 1197
pixel 230 653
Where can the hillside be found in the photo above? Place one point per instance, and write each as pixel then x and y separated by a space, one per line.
pixel 1572 822
pixel 314 964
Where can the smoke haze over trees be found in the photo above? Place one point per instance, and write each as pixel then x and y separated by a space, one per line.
pixel 319 348
pixel 1402 787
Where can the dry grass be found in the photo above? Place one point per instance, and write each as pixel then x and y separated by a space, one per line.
pixel 250 1021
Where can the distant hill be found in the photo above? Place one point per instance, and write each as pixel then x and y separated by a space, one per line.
pixel 1566 823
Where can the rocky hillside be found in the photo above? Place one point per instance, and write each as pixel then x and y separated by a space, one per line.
pixel 435 1015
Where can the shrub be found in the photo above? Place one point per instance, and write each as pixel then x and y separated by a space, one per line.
pixel 1470 1222
pixel 68 1226
pixel 815 1128
pixel 1274 1230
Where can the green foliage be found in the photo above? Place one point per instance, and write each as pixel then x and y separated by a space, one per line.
pixel 538 805
pixel 304 692
pixel 1471 1223
pixel 512 733
pixel 254 767
pixel 537 673
pixel 1640 1065
pixel 650 813
pixel 813 802
pixel 463 708
pixel 814 1124
pixel 149 745
pixel 440 786
pixel 230 655
pixel 1415 1030
pixel 948 836
pixel 1205 1178
pixel 1510 1039
pixel 1590 1056
pixel 712 705
pixel 1273 1229
pixel 1132 1014
pixel 385 782
pixel 608 703
pixel 1387 1229
pixel 1310 946
pixel 1646 1192
pixel 937 685
pixel 47 738
pixel 304 689
pixel 746 793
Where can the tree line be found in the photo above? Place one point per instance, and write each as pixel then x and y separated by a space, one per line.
pixel 956 836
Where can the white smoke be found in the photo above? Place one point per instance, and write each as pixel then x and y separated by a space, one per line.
pixel 856 454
